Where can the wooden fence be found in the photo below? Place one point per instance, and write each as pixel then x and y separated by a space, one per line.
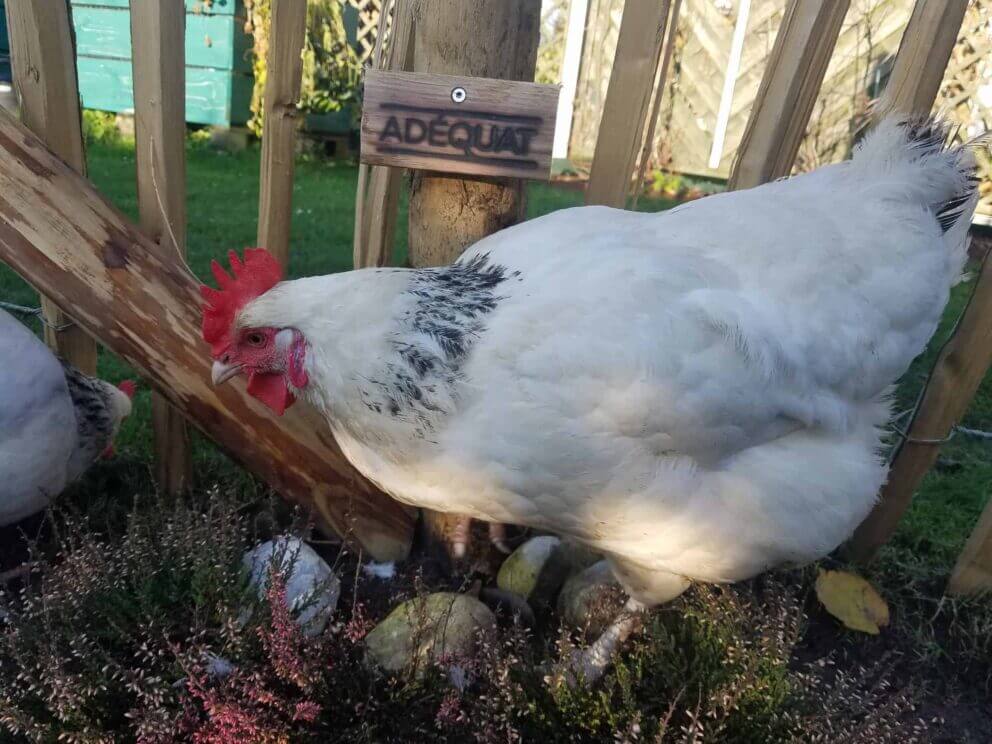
pixel 131 289
pixel 708 100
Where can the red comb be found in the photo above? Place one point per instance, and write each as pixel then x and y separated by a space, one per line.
pixel 128 387
pixel 259 273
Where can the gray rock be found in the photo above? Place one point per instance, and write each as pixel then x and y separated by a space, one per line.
pixel 591 599
pixel 521 571
pixel 428 628
pixel 538 568
pixel 312 588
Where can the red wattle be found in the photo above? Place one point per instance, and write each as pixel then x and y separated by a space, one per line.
pixel 272 390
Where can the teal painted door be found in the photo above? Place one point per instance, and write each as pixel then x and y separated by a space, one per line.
pixel 218 63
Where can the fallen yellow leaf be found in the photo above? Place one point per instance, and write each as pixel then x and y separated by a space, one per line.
pixel 852 600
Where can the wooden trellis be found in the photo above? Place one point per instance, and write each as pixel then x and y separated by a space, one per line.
pixel 368 24
pixel 692 137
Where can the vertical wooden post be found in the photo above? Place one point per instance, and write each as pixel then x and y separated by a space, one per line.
pixel 485 38
pixel 924 51
pixel 635 66
pixel 792 79
pixel 925 48
pixel 375 230
pixel 959 370
pixel 44 66
pixel 284 78
pixel 157 49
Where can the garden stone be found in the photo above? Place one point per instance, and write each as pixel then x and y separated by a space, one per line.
pixel 538 568
pixel 428 628
pixel 312 588
pixel 590 600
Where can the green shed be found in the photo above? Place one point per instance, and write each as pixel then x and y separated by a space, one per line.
pixel 218 59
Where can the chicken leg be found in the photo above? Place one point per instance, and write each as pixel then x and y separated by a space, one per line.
pixel 462 532
pixel 646 589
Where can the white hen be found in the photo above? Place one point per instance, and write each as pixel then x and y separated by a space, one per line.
pixel 54 421
pixel 697 394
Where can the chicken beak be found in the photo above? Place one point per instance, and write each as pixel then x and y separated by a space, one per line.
pixel 221 373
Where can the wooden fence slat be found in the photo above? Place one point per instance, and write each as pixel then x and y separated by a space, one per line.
pixel 972 573
pixel 284 78
pixel 44 67
pixel 147 310
pixel 375 236
pixel 959 370
pixel 928 40
pixel 642 31
pixel 789 88
pixel 659 95
pixel 157 42
pixel 923 55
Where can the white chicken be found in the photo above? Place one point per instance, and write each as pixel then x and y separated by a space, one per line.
pixel 697 394
pixel 54 421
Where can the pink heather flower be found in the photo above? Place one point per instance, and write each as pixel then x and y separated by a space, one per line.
pixel 307 711
pixel 449 712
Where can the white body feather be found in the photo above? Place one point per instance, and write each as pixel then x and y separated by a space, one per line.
pixel 697 392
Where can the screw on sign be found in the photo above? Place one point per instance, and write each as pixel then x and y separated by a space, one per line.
pixel 431 122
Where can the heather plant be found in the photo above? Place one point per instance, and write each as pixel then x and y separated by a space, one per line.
pixel 88 648
pixel 119 639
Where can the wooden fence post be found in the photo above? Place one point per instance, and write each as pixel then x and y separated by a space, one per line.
pixel 635 66
pixel 928 40
pixel 44 66
pixel 923 54
pixel 959 370
pixel 283 80
pixel 146 307
pixel 157 49
pixel 484 38
pixel 375 224
pixel 789 88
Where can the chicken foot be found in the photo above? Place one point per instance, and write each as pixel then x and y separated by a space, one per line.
pixel 462 532
pixel 652 588
pixel 589 664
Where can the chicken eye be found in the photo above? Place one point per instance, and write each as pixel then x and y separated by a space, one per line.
pixel 255 339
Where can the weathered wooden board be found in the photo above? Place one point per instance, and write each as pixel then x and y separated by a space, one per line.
pixel 458 124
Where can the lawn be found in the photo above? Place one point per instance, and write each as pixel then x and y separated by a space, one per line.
pixel 941 646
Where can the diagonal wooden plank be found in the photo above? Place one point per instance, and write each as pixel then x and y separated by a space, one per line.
pixel 789 88
pixel 923 54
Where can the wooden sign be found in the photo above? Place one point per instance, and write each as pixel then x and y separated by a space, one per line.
pixel 455 124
